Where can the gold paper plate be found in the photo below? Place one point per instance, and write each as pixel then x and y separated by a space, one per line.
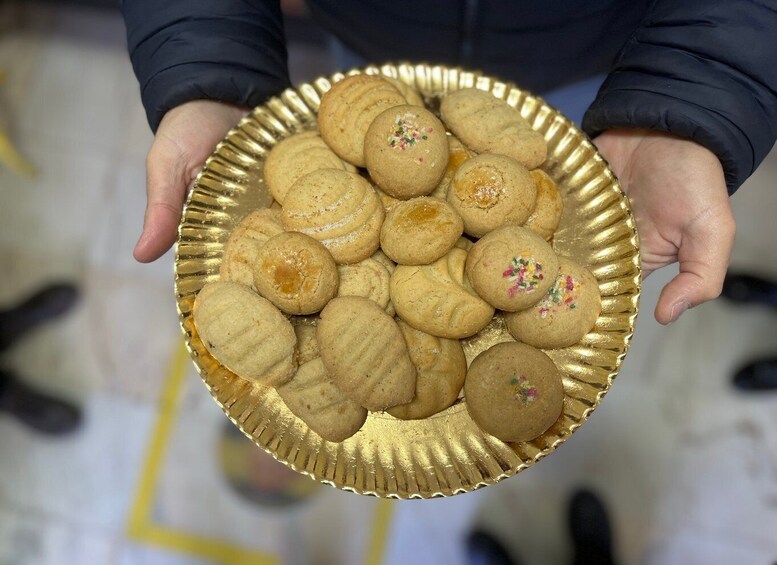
pixel 446 454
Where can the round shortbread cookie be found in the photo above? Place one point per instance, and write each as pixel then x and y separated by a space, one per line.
pixel 420 230
pixel 437 298
pixel 296 273
pixel 441 368
pixel 244 243
pixel 406 151
pixel 314 399
pixel 511 268
pixel 347 110
pixel 369 279
pixel 514 392
pixel 457 154
pixel 294 157
pixel 487 124
pixel 364 351
pixel 547 211
pixel 245 333
pixel 339 209
pixel 489 191
pixel 565 313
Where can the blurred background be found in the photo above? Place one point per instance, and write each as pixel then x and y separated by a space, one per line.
pixel 112 451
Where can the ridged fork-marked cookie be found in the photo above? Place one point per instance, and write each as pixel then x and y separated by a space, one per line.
pixel 296 156
pixel 347 110
pixel 487 124
pixel 411 94
pixel 248 237
pixel 339 209
pixel 307 342
pixel 369 279
pixel 364 351
pixel 245 333
pixel 296 273
pixel 314 399
pixel 549 206
pixel 437 298
pixel 441 368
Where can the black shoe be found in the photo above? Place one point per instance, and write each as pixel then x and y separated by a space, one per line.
pixel 39 411
pixel 758 376
pixel 746 289
pixel 49 302
pixel 485 549
pixel 590 529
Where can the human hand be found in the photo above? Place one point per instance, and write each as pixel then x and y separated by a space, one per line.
pixel 679 197
pixel 185 138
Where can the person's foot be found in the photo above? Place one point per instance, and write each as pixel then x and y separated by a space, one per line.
pixel 746 289
pixel 39 411
pixel 49 302
pixel 590 529
pixel 484 549
pixel 757 376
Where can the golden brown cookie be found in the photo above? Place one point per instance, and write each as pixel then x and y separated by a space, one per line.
pixel 364 352
pixel 487 124
pixel 307 343
pixel 511 268
pixel 549 207
pixel 420 230
pixel 406 151
pixel 369 279
pixel 248 237
pixel 245 333
pixel 489 191
pixel 339 209
pixel 441 368
pixel 565 313
pixel 437 298
pixel 314 399
pixel 294 157
pixel 411 94
pixel 457 154
pixel 388 201
pixel 348 109
pixel 513 392
pixel 296 273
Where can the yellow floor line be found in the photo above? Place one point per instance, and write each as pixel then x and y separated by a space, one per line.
pixel 141 527
pixel 376 551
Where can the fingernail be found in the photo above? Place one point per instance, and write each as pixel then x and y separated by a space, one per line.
pixel 677 310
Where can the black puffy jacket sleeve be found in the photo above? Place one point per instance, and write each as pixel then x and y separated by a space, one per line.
pixel 703 70
pixel 230 50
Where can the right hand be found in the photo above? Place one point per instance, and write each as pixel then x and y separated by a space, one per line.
pixel 185 138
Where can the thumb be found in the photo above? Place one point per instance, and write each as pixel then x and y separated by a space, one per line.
pixel 704 253
pixel 167 179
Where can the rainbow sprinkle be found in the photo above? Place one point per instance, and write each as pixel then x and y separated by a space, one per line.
pixel 525 273
pixel 523 390
pixel 407 133
pixel 562 294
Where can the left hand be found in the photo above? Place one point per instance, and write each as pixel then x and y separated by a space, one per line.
pixel 679 197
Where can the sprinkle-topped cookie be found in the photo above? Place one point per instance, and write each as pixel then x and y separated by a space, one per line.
pixel 513 391
pixel 511 268
pixel 406 151
pixel 564 314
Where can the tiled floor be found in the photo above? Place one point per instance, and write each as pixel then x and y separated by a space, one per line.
pixel 688 467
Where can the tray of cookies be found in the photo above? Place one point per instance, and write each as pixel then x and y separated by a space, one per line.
pixel 407 280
